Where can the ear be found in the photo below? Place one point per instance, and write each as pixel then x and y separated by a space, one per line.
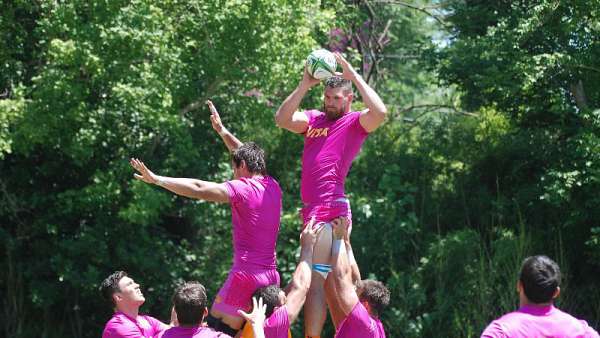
pixel 556 293
pixel 116 297
pixel 204 314
pixel 350 96
pixel 519 286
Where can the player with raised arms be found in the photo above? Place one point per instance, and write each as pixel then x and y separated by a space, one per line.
pixel 255 200
pixel 332 138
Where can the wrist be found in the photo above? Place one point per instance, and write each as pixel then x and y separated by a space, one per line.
pixel 159 181
pixel 304 86
pixel 355 76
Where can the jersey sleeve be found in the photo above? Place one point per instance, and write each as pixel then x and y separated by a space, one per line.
pixel 237 190
pixel 355 123
pixel 311 115
pixel 494 330
pixel 278 319
pixel 361 317
pixel 589 331
pixel 156 325
pixel 122 331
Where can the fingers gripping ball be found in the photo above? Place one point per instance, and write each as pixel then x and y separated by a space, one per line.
pixel 321 64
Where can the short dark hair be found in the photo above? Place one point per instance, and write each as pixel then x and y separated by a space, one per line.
pixel 190 302
pixel 110 285
pixel 540 277
pixel 376 294
pixel 338 82
pixel 254 157
pixel 270 296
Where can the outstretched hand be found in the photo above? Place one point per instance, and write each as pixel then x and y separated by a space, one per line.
pixel 348 72
pixel 257 316
pixel 144 173
pixel 215 119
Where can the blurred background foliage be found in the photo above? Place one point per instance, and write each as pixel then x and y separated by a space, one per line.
pixel 491 151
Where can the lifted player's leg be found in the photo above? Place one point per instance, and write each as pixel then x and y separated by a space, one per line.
pixel 315 310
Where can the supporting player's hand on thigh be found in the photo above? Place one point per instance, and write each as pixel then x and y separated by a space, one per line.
pixel 309 235
pixel 340 228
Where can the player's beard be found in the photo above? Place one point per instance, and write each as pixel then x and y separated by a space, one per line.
pixel 333 113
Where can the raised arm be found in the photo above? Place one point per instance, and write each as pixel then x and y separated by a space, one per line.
pixel 188 187
pixel 287 115
pixel 351 260
pixel 301 279
pixel 342 272
pixel 231 142
pixel 375 113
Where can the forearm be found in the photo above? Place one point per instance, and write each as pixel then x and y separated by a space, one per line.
pixel 353 264
pixel 231 142
pixel 340 266
pixel 302 276
pixel 189 187
pixel 283 116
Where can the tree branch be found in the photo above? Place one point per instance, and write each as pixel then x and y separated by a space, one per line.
pixel 579 94
pixel 201 101
pixel 415 7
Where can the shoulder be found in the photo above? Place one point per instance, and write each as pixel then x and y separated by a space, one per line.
pixel 238 184
pixel 269 181
pixel 313 113
pixel 576 322
pixel 495 330
pixel 156 324
pixel 278 319
pixel 360 314
pixel 118 326
pixel 352 120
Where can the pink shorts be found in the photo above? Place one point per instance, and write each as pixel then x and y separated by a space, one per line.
pixel 326 211
pixel 236 293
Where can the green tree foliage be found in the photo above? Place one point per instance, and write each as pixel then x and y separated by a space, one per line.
pixel 490 152
pixel 88 85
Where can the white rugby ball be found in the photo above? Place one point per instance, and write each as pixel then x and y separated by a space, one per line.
pixel 321 64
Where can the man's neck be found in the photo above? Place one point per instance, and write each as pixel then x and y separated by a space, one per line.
pixel 526 302
pixel 129 311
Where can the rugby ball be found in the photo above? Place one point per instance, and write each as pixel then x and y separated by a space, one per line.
pixel 321 64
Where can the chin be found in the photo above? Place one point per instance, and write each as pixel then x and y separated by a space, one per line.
pixel 333 115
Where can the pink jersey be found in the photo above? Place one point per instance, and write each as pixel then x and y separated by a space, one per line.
pixel 123 326
pixel 255 214
pixel 538 321
pixel 360 324
pixel 278 324
pixel 193 332
pixel 330 146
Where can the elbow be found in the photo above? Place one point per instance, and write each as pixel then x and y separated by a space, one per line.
pixel 278 120
pixel 382 112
